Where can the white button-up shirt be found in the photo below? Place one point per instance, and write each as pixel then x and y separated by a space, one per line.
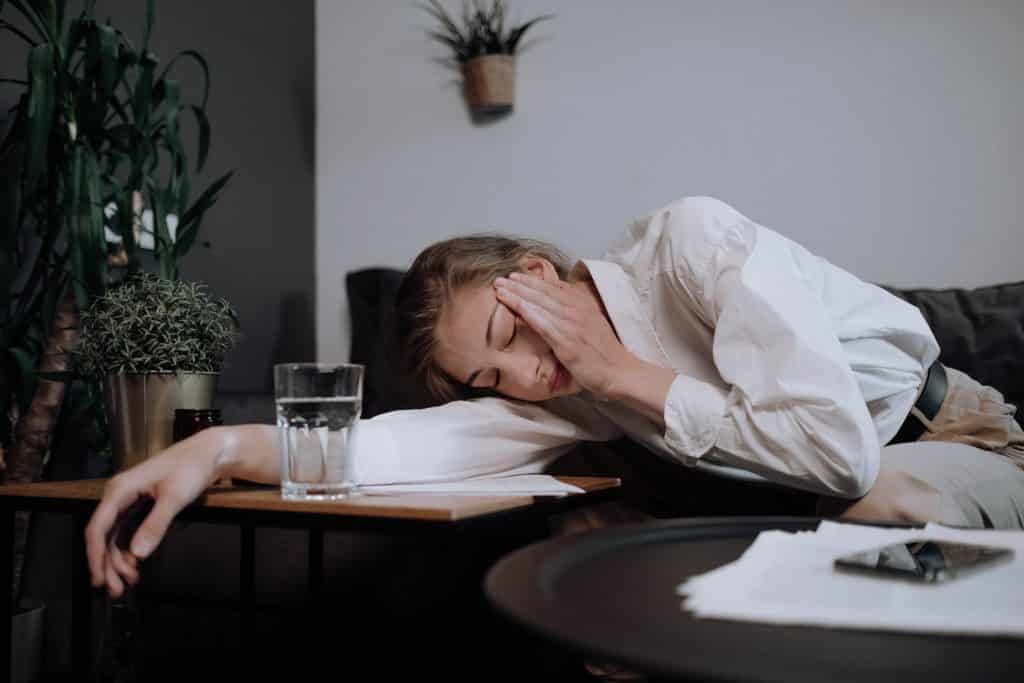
pixel 787 367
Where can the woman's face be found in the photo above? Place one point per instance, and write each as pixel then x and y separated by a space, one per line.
pixel 483 344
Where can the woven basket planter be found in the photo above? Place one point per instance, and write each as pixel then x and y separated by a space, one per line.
pixel 490 83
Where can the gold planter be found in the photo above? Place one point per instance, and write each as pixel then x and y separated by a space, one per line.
pixel 490 83
pixel 140 410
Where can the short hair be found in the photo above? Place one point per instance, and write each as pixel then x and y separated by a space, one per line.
pixel 428 286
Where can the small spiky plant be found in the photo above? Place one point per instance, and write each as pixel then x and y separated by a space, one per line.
pixel 148 325
pixel 482 32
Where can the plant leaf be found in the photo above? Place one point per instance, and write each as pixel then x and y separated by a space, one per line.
pixel 204 136
pixel 207 199
pixel 29 12
pixel 108 60
pixel 188 224
pixel 6 25
pixel 147 27
pixel 516 34
pixel 95 265
pixel 201 61
pixel 143 91
pixel 40 109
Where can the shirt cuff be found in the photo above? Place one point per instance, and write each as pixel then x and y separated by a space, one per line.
pixel 694 412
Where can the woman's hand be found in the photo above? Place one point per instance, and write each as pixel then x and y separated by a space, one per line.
pixel 172 479
pixel 571 322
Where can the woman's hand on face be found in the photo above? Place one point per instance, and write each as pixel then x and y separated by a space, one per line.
pixel 172 479
pixel 573 325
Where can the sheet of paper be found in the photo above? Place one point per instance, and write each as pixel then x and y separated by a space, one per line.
pixel 789 578
pixel 518 485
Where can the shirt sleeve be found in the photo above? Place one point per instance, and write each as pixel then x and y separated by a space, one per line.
pixel 466 439
pixel 794 412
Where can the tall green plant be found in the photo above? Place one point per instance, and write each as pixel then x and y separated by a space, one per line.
pixel 98 120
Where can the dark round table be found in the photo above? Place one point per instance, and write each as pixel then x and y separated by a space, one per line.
pixel 611 595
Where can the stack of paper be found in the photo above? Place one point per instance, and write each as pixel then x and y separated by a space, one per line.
pixel 515 485
pixel 789 578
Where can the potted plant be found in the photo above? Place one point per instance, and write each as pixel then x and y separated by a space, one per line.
pixel 157 345
pixel 484 50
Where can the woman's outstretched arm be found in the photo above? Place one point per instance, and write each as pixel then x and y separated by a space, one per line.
pixel 172 479
pixel 458 440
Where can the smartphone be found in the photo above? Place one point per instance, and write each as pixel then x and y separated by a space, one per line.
pixel 925 560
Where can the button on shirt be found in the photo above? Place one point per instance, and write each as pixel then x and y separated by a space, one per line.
pixel 787 367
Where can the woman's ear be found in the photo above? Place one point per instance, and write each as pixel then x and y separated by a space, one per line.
pixel 539 266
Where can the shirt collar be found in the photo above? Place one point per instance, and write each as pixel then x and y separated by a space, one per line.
pixel 625 309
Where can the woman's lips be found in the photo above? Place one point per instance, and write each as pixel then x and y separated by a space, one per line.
pixel 557 378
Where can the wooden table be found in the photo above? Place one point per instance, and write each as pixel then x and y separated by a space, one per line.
pixel 249 507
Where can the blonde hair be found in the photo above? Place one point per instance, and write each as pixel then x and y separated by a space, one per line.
pixel 427 288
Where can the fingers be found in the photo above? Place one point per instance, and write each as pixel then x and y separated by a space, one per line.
pixel 124 564
pixel 537 292
pixel 540 320
pixel 115 586
pixel 117 496
pixel 152 530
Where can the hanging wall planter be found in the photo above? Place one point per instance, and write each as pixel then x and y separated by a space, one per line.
pixel 485 51
pixel 490 83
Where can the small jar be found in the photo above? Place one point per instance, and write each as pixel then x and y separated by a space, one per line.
pixel 188 421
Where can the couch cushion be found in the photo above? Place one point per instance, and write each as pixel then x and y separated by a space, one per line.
pixel 371 299
pixel 980 331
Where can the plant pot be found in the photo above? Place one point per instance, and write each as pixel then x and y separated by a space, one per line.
pixel 140 410
pixel 490 83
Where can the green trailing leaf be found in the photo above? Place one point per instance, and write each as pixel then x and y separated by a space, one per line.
pixel 142 104
pixel 163 244
pixel 109 70
pixel 203 124
pixel 207 199
pixel 147 26
pixel 7 26
pixel 41 27
pixel 40 109
pixel 201 61
pixel 77 244
pixel 95 275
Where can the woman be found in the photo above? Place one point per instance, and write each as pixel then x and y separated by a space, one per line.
pixel 701 335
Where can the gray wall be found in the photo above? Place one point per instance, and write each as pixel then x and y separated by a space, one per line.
pixel 261 108
pixel 885 136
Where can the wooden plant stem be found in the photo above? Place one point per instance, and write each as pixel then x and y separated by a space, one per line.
pixel 35 427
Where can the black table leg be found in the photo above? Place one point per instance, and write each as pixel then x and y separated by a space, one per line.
pixel 247 560
pixel 315 565
pixel 6 581
pixel 81 602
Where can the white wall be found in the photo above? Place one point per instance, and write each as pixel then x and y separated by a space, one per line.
pixel 885 136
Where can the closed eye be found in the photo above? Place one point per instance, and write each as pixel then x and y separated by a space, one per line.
pixel 497 373
pixel 515 328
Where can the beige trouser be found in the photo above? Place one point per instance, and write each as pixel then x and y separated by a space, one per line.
pixel 967 469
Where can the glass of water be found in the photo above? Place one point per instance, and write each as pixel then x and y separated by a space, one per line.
pixel 317 404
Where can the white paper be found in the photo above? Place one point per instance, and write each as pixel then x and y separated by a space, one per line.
pixel 518 485
pixel 789 578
